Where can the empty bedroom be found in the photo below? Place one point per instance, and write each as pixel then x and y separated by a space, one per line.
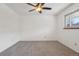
pixel 39 29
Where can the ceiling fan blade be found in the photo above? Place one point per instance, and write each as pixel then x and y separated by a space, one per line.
pixel 42 4
pixel 31 10
pixel 47 8
pixel 40 12
pixel 37 4
pixel 31 4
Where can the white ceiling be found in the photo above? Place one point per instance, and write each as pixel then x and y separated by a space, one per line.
pixel 22 8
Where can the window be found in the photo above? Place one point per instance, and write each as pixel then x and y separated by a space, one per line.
pixel 72 20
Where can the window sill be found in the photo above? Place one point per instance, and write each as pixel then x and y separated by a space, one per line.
pixel 71 28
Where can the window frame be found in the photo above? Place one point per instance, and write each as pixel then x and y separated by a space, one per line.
pixel 70 16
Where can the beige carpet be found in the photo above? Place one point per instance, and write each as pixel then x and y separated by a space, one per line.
pixel 38 48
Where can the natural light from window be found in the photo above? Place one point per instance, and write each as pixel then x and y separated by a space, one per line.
pixel 75 20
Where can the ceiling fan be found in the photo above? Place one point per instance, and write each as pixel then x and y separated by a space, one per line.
pixel 38 7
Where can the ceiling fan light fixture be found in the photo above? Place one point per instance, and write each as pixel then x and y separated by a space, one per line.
pixel 38 9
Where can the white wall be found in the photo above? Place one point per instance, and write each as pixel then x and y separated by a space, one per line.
pixel 69 37
pixel 8 27
pixel 37 27
pixel 14 28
